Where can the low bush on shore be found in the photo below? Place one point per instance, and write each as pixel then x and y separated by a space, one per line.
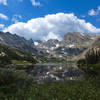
pixel 18 85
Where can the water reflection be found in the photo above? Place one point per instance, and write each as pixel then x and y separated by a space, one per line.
pixel 56 72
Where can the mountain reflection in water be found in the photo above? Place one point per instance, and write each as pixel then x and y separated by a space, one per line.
pixel 56 72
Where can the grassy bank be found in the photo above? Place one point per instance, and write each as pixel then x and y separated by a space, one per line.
pixel 18 85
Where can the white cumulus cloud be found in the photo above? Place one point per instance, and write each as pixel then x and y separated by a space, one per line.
pixel 2 16
pixel 94 12
pixel 53 26
pixel 35 3
pixel 1 26
pixel 16 18
pixel 4 2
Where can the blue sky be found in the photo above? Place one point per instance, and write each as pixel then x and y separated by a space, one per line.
pixel 14 11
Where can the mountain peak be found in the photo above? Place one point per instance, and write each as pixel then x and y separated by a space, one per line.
pixel 16 41
pixel 77 38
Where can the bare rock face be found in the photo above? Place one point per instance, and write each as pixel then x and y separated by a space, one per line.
pixel 96 43
pixel 75 43
pixel 17 42
pixel 72 44
pixel 76 39
pixel 46 48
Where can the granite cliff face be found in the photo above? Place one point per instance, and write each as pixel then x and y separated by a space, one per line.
pixel 72 44
pixel 96 42
pixel 17 42
pixel 76 39
pixel 75 43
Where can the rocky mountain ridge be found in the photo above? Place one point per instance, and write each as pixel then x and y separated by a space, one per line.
pixel 17 42
pixel 73 44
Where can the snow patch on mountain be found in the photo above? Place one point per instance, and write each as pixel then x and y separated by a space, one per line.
pixel 71 45
pixel 36 43
pixel 48 51
pixel 82 34
pixel 1 39
pixel 57 45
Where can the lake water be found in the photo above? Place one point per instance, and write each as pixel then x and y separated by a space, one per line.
pixel 57 64
pixel 56 72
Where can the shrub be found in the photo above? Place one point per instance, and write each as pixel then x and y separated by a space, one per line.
pixel 14 81
pixel 91 63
